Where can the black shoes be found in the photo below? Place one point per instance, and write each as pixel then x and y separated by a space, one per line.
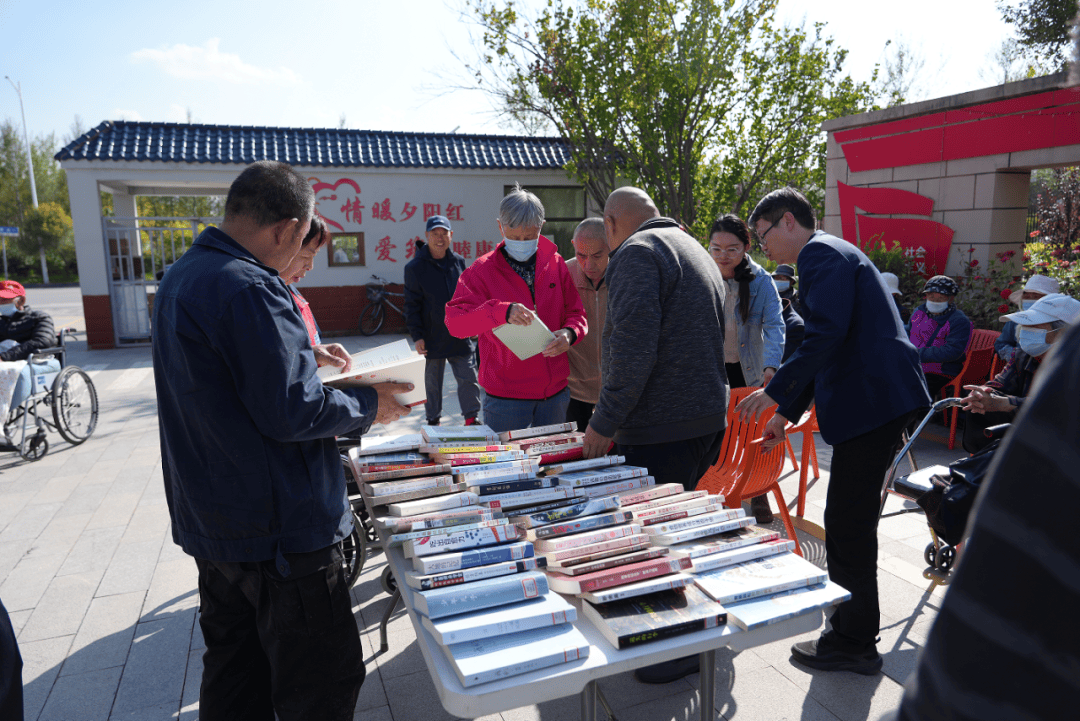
pixel 820 655
pixel 759 506
pixel 667 671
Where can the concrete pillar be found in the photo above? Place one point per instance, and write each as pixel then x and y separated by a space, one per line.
pixel 91 257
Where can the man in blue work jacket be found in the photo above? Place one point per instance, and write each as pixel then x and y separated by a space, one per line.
pixel 252 473
pixel 857 365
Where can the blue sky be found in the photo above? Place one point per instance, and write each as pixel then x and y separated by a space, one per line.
pixel 382 64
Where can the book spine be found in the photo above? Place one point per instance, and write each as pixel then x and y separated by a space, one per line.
pixel 473 459
pixel 622 576
pixel 664 582
pixel 613 561
pixel 678 629
pixel 669 501
pixel 570 454
pixel 583 524
pixel 678 515
pixel 428 565
pixel 667 539
pixel 567 556
pixel 738 555
pixel 405 524
pixel 389 488
pixel 656 510
pixel 457 449
pixel 509 485
pixel 380 473
pixel 543 518
pixel 517 471
pixel 775 588
pixel 551 440
pixel 706 519
pixel 565 655
pixel 535 431
pixel 583 465
pixel 608 489
pixel 664 490
pixel 586 539
pixel 520 498
pixel 459 540
pixel 427 505
pixel 592 478
pixel 468 575
pixel 708 549
pixel 417 495
pixel 399 538
pixel 487 594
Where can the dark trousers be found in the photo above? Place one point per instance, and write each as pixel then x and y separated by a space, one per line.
pixel 935 382
pixel 288 646
pixel 851 519
pixel 11 665
pixel 735 377
pixel 579 412
pixel 468 390
pixel 974 425
pixel 682 462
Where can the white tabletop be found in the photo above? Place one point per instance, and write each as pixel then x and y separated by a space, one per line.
pixel 569 679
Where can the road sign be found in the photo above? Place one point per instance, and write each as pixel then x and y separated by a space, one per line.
pixel 8 230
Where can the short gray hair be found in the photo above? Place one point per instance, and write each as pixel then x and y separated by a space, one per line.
pixel 521 209
pixel 590 228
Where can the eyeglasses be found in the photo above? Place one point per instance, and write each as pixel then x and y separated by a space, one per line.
pixel 761 237
pixel 725 251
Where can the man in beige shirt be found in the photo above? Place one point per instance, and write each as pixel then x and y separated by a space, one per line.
pixel 587 269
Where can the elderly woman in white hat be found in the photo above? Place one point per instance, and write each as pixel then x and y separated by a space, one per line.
pixel 1038 328
pixel 892 282
pixel 1036 287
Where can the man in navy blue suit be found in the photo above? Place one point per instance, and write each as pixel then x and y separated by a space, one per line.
pixel 857 365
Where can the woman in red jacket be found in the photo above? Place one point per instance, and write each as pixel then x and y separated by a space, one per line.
pixel 523 278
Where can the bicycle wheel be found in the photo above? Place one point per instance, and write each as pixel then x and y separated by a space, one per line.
pixel 354 552
pixel 372 318
pixel 74 405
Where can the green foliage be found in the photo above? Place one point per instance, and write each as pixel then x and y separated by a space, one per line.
pixel 984 290
pixel 892 260
pixel 44 227
pixel 1057 207
pixel 1042 26
pixel 702 103
pixel 1057 261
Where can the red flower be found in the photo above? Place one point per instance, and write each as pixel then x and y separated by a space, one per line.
pixel 1003 308
pixel 1033 234
pixel 974 263
pixel 971 249
pixel 1005 294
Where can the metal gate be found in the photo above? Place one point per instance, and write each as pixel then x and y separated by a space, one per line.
pixel 139 251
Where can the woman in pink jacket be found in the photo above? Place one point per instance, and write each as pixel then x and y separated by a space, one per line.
pixel 523 278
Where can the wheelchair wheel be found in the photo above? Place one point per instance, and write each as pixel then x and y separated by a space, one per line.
pixel 35 447
pixel 389 583
pixel 372 318
pixel 75 405
pixel 354 548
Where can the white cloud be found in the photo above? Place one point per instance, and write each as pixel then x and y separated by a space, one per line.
pixel 122 114
pixel 208 62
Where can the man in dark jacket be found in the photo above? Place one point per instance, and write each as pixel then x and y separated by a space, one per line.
pixel 430 280
pixel 857 365
pixel 27 331
pixel 252 473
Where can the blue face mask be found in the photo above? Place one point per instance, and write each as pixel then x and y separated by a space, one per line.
pixel 782 285
pixel 936 306
pixel 1032 340
pixel 1025 304
pixel 8 309
pixel 521 250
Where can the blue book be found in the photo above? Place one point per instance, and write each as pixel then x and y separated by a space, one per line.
pixel 473 557
pixel 548 610
pixel 781 606
pixel 529 484
pixel 513 654
pixel 492 592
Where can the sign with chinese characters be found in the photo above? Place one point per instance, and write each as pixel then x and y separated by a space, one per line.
pixel 925 242
pixel 389 222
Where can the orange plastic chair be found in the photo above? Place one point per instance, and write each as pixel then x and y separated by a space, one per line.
pixel 998 366
pixel 808 426
pixel 977 364
pixel 743 469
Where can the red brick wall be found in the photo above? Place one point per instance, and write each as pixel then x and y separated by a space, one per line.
pixel 97 311
pixel 337 309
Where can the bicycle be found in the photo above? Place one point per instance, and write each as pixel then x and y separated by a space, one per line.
pixel 371 320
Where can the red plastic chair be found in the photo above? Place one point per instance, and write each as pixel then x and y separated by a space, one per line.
pixel 977 364
pixel 808 426
pixel 743 469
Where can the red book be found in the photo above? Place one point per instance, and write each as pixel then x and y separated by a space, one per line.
pixel 618 576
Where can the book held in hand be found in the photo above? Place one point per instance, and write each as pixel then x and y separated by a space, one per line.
pixel 525 341
pixel 548 610
pixel 383 365
pixel 654 617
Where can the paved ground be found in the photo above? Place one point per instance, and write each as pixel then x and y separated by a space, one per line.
pixel 104 604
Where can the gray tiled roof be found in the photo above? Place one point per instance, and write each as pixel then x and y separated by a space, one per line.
pixel 125 140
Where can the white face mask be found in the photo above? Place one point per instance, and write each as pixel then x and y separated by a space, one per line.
pixel 935 307
pixel 782 285
pixel 521 250
pixel 8 309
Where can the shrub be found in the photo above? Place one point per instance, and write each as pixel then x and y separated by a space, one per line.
pixel 1057 261
pixel 984 291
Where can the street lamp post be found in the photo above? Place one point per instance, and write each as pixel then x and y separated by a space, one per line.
pixel 30 164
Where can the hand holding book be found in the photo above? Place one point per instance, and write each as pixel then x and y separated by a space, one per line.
pixel 333 355
pixel 389 408
pixel 559 345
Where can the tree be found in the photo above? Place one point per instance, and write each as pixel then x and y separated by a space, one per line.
pixel 676 96
pixel 43 230
pixel 1042 27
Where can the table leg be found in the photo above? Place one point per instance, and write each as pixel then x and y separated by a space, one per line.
pixel 708 685
pixel 588 702
pixel 384 644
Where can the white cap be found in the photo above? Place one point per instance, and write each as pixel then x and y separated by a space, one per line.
pixel 1047 309
pixel 1041 284
pixel 892 283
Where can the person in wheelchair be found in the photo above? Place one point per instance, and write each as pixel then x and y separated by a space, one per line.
pixel 24 332
pixel 997 402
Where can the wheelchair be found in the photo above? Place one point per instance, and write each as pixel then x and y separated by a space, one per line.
pixel 355 547
pixel 63 400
